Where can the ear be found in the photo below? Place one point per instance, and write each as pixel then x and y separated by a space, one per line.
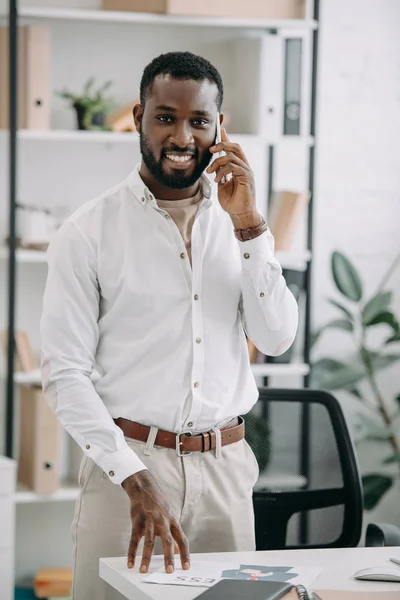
pixel 221 118
pixel 138 116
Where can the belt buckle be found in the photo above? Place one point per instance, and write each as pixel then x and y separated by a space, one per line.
pixel 178 445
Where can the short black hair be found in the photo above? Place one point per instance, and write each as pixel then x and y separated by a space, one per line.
pixel 181 65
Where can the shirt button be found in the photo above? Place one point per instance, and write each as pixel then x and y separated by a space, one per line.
pixel 196 384
pixel 198 340
pixel 111 473
pixel 183 255
pixel 87 446
pixel 143 199
pixel 196 297
pixel 190 424
pixel 246 255
pixel 167 216
pixel 262 295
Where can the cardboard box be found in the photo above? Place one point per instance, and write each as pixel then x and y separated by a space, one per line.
pixel 34 89
pixel 284 215
pixel 252 9
pixel 39 431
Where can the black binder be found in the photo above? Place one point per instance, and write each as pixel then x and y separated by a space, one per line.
pixel 233 589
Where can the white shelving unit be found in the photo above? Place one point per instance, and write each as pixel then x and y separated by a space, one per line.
pixel 163 20
pixel 249 53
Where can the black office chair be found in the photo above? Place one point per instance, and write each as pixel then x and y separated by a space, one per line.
pixel 309 492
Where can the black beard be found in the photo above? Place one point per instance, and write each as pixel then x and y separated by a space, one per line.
pixel 177 180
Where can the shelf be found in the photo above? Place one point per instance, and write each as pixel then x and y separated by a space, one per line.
pixel 113 137
pixel 288 260
pixel 28 377
pixel 107 16
pixel 297 261
pixel 279 369
pixel 25 256
pixel 66 135
pixel 67 492
pixel 259 370
pixel 280 481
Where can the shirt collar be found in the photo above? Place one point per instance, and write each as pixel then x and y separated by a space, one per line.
pixel 143 194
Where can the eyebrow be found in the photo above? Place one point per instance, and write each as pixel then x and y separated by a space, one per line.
pixel 199 113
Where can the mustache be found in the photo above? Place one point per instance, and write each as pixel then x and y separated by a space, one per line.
pixel 178 150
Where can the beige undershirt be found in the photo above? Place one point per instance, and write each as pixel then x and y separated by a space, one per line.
pixel 183 212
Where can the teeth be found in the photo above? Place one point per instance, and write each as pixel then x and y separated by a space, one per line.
pixel 180 159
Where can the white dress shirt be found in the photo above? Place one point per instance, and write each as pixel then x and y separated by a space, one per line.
pixel 130 329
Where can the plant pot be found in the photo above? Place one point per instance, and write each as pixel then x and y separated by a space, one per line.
pixel 81 116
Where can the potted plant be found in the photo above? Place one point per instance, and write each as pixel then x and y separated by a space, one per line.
pixel 91 106
pixel 378 417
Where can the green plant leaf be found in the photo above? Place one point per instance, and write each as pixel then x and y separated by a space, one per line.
pixel 343 324
pixel 385 316
pixel 337 378
pixel 392 459
pixel 355 392
pixel 346 277
pixel 328 364
pixel 314 337
pixel 369 429
pixel 375 306
pixel 341 307
pixel 393 338
pixel 375 487
pixel 381 361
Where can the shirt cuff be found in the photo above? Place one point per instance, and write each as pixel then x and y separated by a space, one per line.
pixel 256 252
pixel 121 464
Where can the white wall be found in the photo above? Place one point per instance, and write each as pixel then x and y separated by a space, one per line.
pixel 358 176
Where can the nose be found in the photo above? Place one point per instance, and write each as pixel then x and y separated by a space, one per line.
pixel 182 135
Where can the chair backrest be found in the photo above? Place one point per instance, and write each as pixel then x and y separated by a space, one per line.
pixel 309 491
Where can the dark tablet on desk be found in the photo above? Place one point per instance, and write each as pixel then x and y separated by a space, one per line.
pixel 232 589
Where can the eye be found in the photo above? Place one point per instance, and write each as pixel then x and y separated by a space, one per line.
pixel 199 122
pixel 164 119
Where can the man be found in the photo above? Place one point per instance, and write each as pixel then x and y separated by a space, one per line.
pixel 150 289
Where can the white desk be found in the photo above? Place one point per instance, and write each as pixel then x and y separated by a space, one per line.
pixel 338 566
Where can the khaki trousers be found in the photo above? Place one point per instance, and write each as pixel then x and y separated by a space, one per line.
pixel 211 497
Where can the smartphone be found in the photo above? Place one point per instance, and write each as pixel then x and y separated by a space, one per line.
pixel 217 141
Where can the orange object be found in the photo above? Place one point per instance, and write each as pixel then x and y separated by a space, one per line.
pixel 55 582
pixel 122 119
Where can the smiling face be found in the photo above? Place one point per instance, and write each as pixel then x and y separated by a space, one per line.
pixel 177 127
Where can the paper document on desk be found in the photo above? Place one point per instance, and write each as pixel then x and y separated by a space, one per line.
pixel 207 574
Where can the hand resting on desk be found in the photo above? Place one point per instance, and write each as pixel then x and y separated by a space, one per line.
pixel 152 517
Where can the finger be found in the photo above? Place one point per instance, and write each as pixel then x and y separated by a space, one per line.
pixel 183 545
pixel 224 160
pixel 224 135
pixel 229 147
pixel 231 169
pixel 147 547
pixel 133 546
pixel 168 547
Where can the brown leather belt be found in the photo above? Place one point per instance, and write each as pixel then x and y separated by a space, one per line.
pixel 184 443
